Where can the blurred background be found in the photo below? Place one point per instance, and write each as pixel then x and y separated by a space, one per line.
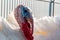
pixel 40 8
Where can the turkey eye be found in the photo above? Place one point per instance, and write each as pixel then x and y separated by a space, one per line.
pixel 25 10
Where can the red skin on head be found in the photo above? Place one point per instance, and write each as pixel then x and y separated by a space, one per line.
pixel 25 26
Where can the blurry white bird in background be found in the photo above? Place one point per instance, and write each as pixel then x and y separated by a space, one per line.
pixel 47 28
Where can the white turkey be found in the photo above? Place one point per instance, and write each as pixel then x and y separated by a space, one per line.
pixel 45 28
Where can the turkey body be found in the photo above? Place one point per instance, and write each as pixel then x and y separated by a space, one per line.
pixel 8 33
pixel 47 28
